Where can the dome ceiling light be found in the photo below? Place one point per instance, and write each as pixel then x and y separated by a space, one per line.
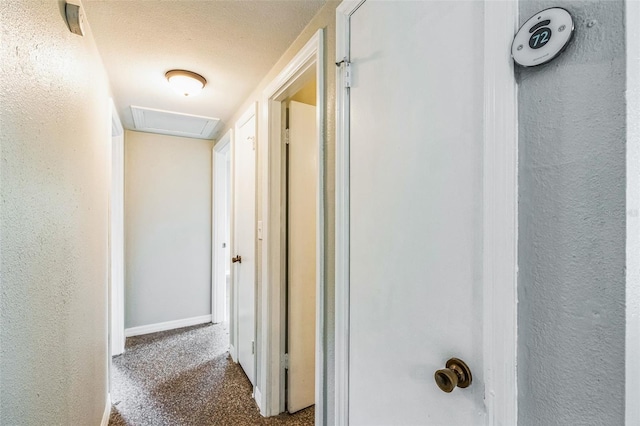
pixel 185 83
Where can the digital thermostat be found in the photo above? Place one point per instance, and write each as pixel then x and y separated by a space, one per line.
pixel 543 37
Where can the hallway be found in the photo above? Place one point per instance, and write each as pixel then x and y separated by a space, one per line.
pixel 185 377
pixel 466 207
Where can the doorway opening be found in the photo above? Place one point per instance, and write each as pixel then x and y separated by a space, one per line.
pixel 291 365
pixel 301 172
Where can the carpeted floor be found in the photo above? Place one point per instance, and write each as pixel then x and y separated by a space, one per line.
pixel 185 377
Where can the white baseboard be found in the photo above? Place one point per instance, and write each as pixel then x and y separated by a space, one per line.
pixel 169 325
pixel 257 395
pixel 107 412
pixel 234 355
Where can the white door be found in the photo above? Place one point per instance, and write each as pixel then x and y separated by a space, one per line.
pixel 244 243
pixel 301 264
pixel 416 146
pixel 220 229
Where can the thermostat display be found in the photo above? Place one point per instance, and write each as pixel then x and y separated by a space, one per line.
pixel 543 37
pixel 540 38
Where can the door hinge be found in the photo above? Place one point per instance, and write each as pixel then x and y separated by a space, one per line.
pixel 286 361
pixel 286 136
pixel 347 74
pixel 253 347
pixel 345 66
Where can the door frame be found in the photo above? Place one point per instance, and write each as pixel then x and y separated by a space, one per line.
pixel 500 214
pixel 116 236
pixel 308 60
pixel 632 345
pixel 221 188
pixel 250 112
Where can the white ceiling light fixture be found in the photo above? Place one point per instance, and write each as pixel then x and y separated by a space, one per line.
pixel 185 83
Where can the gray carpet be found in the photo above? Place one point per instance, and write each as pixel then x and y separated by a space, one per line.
pixel 185 377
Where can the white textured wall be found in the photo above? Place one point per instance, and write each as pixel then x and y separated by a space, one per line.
pixel 53 220
pixel 167 228
pixel 572 225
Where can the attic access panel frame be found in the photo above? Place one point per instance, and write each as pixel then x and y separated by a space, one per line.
pixel 173 123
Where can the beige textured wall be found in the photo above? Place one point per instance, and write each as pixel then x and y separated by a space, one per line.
pixel 306 95
pixel 54 136
pixel 167 211
pixel 325 19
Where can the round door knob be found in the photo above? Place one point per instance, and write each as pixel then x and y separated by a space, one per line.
pixel 456 373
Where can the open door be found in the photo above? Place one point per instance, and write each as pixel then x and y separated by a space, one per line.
pixel 302 172
pixel 244 248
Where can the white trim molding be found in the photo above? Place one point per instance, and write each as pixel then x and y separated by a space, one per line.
pixel 499 223
pixel 116 235
pixel 308 60
pixel 219 210
pixel 257 396
pixel 632 346
pixel 168 325
pixel 500 215
pixel 107 411
pixel 233 353
pixel 343 15
pixel 116 125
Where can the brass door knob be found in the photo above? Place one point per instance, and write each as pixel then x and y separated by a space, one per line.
pixel 236 259
pixel 456 373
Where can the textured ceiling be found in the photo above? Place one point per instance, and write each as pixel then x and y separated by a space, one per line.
pixel 233 44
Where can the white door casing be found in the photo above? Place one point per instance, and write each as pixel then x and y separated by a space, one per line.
pixel 309 60
pixel 244 223
pixel 116 237
pixel 301 237
pixel 425 212
pixel 632 346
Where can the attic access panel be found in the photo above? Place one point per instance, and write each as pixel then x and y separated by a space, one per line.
pixel 173 123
